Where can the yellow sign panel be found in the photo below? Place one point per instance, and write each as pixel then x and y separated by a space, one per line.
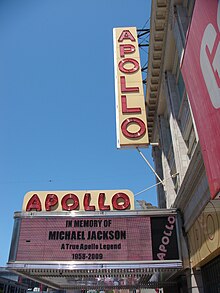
pixel 89 200
pixel 204 236
pixel 131 121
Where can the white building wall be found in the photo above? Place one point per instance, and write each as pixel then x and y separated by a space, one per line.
pixel 179 146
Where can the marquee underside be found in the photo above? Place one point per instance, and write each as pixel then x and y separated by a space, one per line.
pixel 103 277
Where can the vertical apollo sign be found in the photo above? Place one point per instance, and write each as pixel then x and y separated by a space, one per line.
pixel 131 121
pixel 201 73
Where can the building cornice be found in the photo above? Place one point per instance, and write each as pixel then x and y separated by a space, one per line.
pixel 158 28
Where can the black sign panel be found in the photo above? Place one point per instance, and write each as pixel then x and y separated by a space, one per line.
pixel 164 238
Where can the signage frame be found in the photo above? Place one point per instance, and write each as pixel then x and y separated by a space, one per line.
pixel 78 200
pixel 177 263
pixel 131 117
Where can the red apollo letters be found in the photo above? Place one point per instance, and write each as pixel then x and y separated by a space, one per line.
pixel 129 66
pixel 71 202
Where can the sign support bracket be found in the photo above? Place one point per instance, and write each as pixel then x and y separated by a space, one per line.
pixel 152 169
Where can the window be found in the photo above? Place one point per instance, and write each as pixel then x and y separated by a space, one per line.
pixel 170 157
pixel 181 86
pixel 184 113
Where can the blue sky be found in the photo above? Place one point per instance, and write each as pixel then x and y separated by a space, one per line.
pixel 57 111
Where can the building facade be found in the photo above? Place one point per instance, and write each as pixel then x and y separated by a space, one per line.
pixel 177 149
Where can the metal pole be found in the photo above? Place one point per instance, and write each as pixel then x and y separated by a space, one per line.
pixel 152 169
pixel 146 189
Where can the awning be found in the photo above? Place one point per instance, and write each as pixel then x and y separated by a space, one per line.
pixel 67 277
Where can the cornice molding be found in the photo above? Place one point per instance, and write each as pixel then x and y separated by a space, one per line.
pixel 158 29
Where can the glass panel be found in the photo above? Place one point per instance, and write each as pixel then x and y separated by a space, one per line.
pixel 181 86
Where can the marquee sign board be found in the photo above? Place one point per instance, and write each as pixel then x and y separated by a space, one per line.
pixel 97 239
pixel 113 249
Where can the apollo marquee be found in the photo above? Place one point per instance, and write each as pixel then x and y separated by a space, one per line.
pixel 80 244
